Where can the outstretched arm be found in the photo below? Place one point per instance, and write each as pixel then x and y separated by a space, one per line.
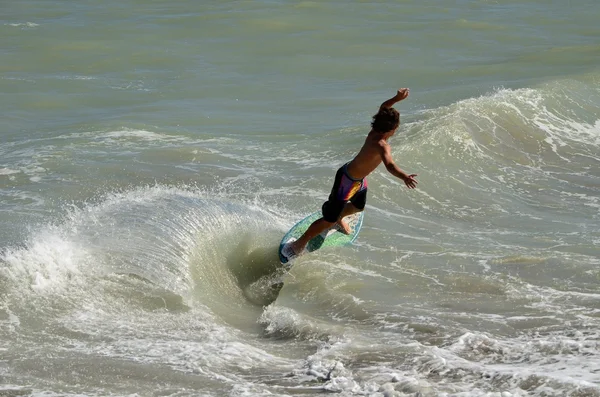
pixel 386 154
pixel 402 94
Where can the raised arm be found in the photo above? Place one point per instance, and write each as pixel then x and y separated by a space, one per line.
pixel 402 94
pixel 386 154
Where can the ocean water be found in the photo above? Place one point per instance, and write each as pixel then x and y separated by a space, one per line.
pixel 153 153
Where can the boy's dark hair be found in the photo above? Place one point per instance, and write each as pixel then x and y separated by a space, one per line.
pixel 387 119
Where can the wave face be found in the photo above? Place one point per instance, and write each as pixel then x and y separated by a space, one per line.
pixel 524 157
pixel 118 280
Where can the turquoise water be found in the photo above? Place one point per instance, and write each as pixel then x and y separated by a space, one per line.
pixel 153 154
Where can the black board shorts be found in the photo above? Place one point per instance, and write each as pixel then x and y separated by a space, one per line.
pixel 345 188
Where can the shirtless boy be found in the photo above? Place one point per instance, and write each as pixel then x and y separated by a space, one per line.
pixel 349 192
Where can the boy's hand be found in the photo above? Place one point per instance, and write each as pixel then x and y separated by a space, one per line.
pixel 410 181
pixel 402 93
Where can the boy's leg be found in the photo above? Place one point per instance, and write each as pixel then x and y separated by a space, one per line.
pixel 357 203
pixel 331 209
pixel 349 209
pixel 313 231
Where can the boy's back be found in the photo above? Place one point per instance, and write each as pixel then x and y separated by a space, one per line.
pixel 369 156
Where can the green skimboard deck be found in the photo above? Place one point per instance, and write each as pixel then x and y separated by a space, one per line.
pixel 329 238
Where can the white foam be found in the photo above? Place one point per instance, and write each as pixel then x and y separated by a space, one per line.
pixel 18 390
pixel 23 25
pixel 76 77
pixel 191 342
pixel 8 171
pixel 517 365
pixel 587 200
pixel 140 134
pixel 47 263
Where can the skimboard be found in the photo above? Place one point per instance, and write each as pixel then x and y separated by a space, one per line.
pixel 329 238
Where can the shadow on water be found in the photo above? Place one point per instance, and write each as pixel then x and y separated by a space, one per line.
pixel 258 271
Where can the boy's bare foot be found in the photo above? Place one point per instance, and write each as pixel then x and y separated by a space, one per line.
pixel 344 227
pixel 296 247
pixel 289 250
